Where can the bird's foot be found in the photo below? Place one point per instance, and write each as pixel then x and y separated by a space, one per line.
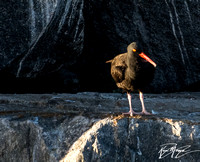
pixel 131 113
pixel 145 113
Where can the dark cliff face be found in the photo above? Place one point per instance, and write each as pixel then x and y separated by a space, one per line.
pixel 62 45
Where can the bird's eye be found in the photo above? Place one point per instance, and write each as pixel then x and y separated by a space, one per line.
pixel 134 50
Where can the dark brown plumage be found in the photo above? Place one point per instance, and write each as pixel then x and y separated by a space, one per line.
pixel 132 71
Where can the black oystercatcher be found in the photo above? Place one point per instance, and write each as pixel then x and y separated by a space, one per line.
pixel 133 71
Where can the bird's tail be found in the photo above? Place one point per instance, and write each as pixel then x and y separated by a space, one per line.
pixel 109 61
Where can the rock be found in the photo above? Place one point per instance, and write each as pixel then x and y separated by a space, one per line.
pixel 54 45
pixel 135 140
pixel 59 43
pixel 51 41
pixel 90 127
pixel 22 141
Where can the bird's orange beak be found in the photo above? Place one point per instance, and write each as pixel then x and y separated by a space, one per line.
pixel 147 59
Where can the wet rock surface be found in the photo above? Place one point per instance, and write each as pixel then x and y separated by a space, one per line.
pixel 55 45
pixel 89 127
pixel 40 50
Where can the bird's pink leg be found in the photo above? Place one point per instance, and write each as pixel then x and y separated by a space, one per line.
pixel 142 102
pixel 131 112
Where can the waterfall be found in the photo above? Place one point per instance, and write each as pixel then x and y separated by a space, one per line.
pixel 62 21
pixel 68 18
pixel 78 23
pixel 180 32
pixel 188 12
pixel 32 20
pixel 40 13
pixel 47 11
pixel 174 32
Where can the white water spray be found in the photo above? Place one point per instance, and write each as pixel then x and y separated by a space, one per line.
pixel 174 32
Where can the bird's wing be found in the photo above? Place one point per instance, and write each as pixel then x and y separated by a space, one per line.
pixel 118 68
pixel 119 73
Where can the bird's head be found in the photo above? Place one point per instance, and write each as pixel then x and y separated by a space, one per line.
pixel 135 49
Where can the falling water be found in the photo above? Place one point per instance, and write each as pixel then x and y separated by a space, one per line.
pixel 47 11
pixel 62 21
pixel 70 10
pixel 180 40
pixel 188 12
pixel 174 32
pixel 32 20
pixel 79 21
pixel 40 13
pixel 33 31
pixel 180 32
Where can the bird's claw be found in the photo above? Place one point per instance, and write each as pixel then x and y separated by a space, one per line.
pixel 131 113
pixel 145 113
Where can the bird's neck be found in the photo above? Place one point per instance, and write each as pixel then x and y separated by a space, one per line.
pixel 131 61
pixel 132 65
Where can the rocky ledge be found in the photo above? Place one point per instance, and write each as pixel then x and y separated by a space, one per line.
pixel 89 127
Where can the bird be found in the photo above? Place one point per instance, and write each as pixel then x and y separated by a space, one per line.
pixel 133 71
